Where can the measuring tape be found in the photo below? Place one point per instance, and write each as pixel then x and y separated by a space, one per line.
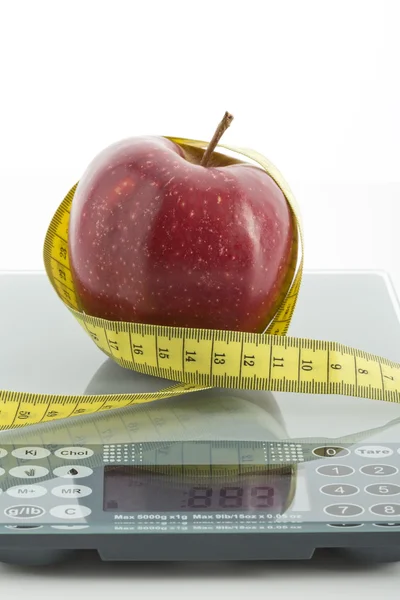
pixel 196 359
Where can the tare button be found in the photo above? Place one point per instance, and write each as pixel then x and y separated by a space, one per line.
pixel 373 451
pixel 75 452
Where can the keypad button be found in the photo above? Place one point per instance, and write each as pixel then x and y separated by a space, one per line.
pixel 70 511
pixel 343 510
pixel 343 525
pixel 27 491
pixel 71 491
pixel 69 526
pixel 74 453
pixel 373 451
pixel 24 511
pixel 29 472
pixel 31 452
pixel 383 489
pixel 3 452
pixel 331 452
pixel 23 527
pixel 386 510
pixel 379 470
pixel 339 489
pixel 73 471
pixel 335 470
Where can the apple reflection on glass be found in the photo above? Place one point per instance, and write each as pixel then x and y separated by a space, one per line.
pixel 217 415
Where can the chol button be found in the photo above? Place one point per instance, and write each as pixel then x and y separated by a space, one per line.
pixel 74 452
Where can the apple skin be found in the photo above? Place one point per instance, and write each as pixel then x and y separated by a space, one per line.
pixel 154 237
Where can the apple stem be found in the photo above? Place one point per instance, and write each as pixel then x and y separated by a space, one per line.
pixel 222 127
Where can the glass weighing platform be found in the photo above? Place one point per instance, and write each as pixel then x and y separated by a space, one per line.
pixel 214 475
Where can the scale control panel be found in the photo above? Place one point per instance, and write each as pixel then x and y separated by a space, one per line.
pixel 199 486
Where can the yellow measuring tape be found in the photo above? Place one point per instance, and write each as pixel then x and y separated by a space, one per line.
pixel 195 359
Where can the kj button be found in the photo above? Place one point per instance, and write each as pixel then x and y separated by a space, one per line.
pixel 31 452
pixel 75 452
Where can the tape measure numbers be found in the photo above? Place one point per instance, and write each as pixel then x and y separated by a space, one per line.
pixel 201 358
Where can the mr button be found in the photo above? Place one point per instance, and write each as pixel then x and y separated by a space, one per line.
pixel 75 452
pixel 71 491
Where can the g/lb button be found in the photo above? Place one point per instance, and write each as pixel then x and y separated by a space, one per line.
pixel 70 511
pixel 75 452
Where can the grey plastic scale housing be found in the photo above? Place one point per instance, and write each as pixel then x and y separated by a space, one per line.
pixel 356 308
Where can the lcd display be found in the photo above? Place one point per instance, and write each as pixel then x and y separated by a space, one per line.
pixel 133 489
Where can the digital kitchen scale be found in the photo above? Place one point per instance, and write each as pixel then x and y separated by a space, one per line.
pixel 214 475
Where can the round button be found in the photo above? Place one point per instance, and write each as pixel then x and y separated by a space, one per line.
pixel 339 489
pixel 73 471
pixel 70 511
pixel 71 491
pixel 3 453
pixel 343 525
pixel 386 510
pixel 373 451
pixel 383 489
pixel 335 470
pixel 27 491
pixel 343 510
pixel 69 526
pixel 29 472
pixel 392 524
pixel 23 527
pixel 2 471
pixel 379 470
pixel 331 452
pixel 31 452
pixel 74 453
pixel 24 511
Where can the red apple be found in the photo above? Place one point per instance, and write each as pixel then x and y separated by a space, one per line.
pixel 155 237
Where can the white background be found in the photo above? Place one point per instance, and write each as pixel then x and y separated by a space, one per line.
pixel 313 85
